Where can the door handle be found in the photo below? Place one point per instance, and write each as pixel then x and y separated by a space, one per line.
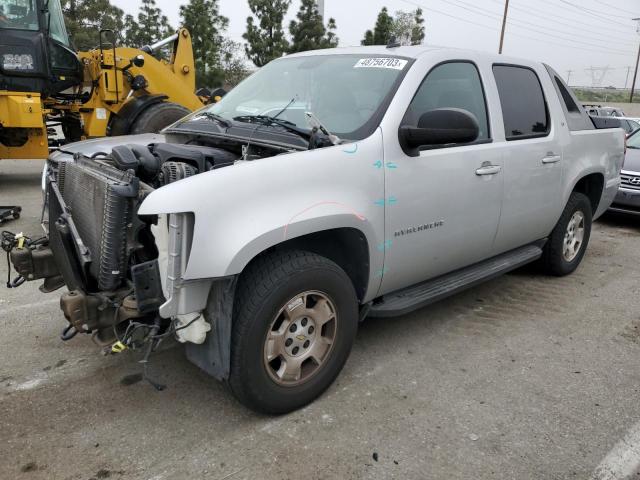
pixel 488 170
pixel 551 158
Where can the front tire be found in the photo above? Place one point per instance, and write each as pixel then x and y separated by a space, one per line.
pixel 295 320
pixel 568 242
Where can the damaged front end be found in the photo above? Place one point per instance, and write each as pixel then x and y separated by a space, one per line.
pixel 123 272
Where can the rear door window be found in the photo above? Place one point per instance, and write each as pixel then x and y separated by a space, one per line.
pixel 566 98
pixel 524 107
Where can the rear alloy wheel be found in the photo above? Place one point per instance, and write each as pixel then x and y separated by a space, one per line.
pixel 568 242
pixel 295 320
pixel 573 237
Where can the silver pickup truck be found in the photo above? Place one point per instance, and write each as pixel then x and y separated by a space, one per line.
pixel 328 187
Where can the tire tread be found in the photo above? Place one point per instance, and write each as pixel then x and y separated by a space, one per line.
pixel 258 281
pixel 552 257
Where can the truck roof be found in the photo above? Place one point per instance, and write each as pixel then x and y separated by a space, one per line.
pixel 416 51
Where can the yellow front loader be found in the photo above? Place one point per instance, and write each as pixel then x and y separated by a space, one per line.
pixel 51 95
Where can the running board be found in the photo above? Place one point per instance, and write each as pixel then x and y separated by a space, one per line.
pixel 417 296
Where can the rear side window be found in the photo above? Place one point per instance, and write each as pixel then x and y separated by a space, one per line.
pixel 566 97
pixel 451 85
pixel 524 108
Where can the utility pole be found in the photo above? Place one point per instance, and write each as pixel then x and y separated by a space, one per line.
pixel 597 75
pixel 626 80
pixel 504 25
pixel 569 72
pixel 635 74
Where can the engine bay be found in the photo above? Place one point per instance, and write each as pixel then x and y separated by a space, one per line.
pixel 101 250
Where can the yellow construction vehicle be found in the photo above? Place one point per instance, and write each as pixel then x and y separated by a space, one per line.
pixel 46 87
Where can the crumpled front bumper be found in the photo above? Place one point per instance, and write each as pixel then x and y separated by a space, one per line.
pixel 185 299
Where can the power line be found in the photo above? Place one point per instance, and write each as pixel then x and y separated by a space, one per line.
pixel 430 9
pixel 618 8
pixel 478 11
pixel 585 11
pixel 574 23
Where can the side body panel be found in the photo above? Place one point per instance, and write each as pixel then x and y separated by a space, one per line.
pixel 533 175
pixel 241 211
pixel 586 150
pixel 449 213
pixel 594 151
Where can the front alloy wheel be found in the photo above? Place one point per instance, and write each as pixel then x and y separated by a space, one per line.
pixel 295 320
pixel 300 338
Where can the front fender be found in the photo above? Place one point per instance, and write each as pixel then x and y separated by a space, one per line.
pixel 242 210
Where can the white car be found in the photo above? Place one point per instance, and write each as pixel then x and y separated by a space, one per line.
pixel 629 124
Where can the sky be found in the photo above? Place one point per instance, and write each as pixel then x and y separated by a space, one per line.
pixel 569 35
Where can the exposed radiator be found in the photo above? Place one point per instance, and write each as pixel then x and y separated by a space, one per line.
pixel 99 200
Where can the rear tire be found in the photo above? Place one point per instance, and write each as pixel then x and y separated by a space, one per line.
pixel 158 116
pixel 295 320
pixel 568 242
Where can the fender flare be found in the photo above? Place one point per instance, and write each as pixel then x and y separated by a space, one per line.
pixel 122 121
pixel 584 173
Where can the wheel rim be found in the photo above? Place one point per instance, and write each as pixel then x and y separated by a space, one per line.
pixel 300 338
pixel 573 237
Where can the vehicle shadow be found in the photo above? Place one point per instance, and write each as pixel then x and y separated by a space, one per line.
pixel 620 220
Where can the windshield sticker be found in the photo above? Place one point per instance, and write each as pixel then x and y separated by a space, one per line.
pixel 393 63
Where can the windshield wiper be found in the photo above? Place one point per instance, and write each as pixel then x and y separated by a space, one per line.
pixel 263 120
pixel 217 118
pixel 268 121
pixel 316 125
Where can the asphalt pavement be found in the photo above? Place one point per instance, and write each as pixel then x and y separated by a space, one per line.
pixel 524 377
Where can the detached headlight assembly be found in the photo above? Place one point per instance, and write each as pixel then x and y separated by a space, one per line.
pixel 21 61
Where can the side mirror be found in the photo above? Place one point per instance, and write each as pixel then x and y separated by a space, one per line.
pixel 439 127
pixel 138 61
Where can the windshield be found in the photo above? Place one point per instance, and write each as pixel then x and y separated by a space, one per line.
pixel 347 93
pixel 18 14
pixel 57 29
pixel 634 140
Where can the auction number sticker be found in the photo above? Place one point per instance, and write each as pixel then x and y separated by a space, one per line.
pixel 393 63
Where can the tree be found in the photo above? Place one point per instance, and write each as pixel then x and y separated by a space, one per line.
pixel 266 39
pixel 150 27
pixel 368 38
pixel 233 63
pixel 130 30
pixel 309 33
pixel 331 38
pixel 418 30
pixel 202 18
pixel 382 32
pixel 85 18
pixel 408 27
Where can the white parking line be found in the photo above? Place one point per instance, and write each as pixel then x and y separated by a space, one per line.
pixel 623 460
